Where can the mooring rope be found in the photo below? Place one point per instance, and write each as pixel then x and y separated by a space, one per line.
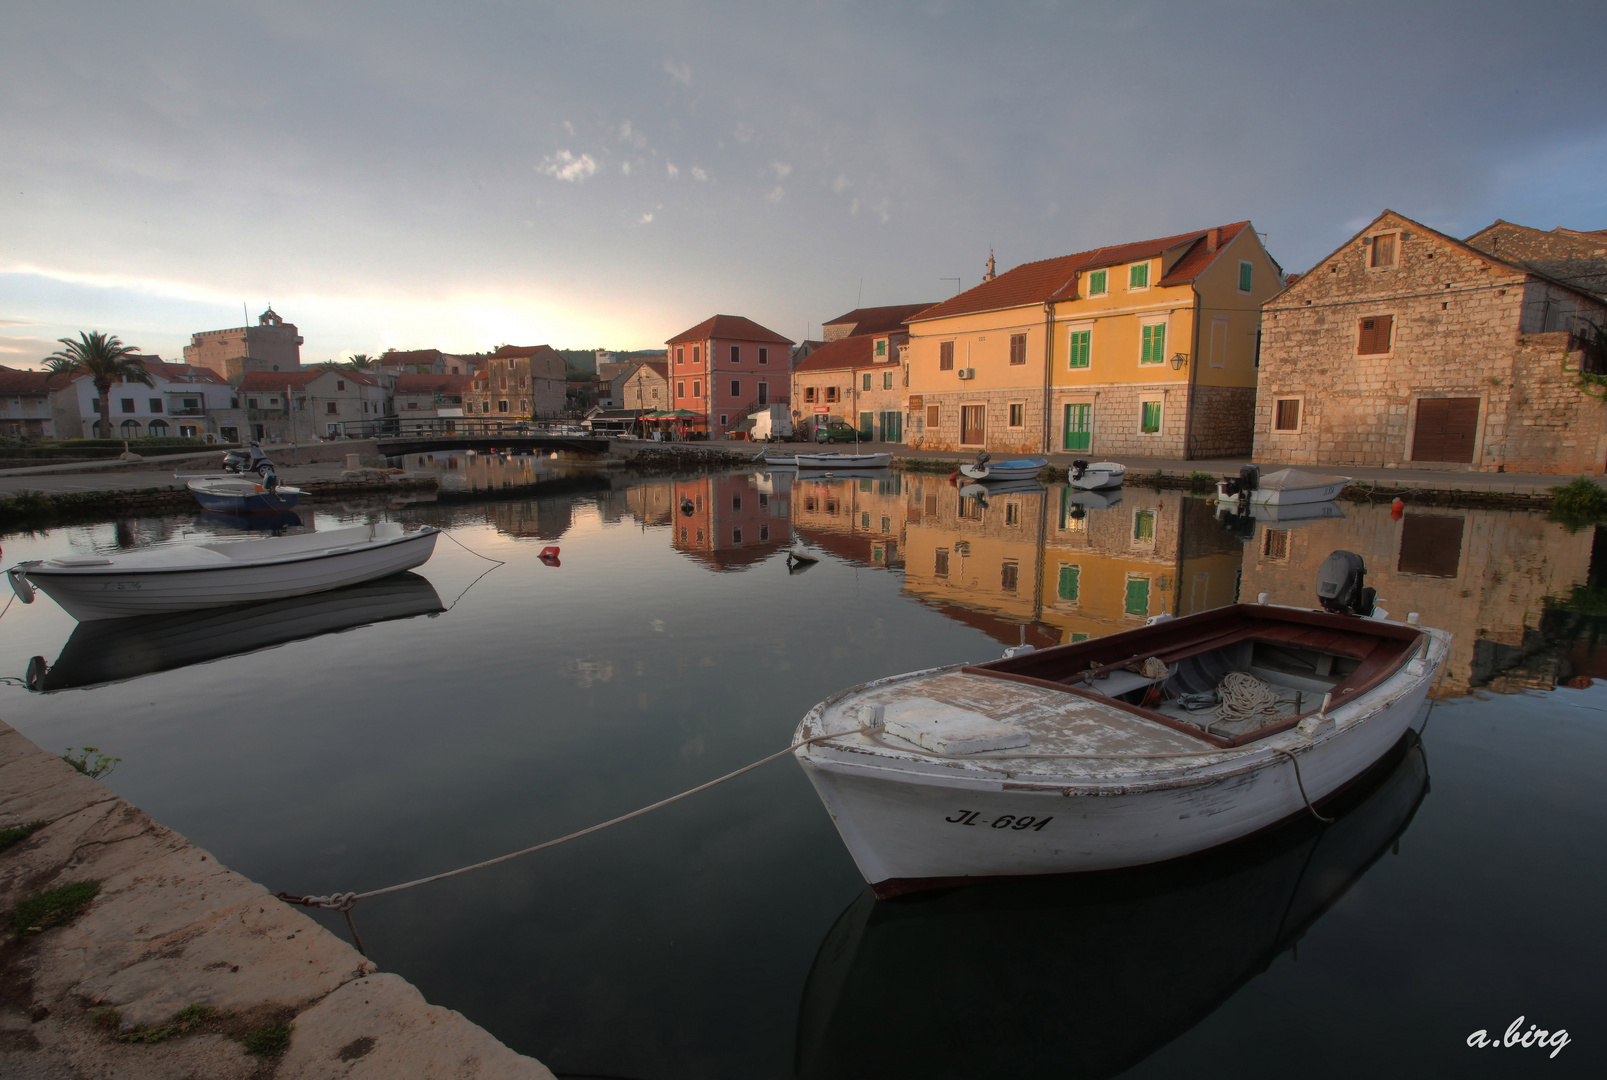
pixel 344 901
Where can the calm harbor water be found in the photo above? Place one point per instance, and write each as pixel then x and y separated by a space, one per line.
pixel 453 715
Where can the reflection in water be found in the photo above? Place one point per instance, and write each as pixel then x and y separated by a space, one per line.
pixel 730 522
pixel 111 650
pixel 463 471
pixel 1083 975
pixel 275 521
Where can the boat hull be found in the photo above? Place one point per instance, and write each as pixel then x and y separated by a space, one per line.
pixel 242 496
pixel 844 461
pixel 1022 469
pixel 1100 476
pixel 913 830
pixel 1286 496
pixel 116 593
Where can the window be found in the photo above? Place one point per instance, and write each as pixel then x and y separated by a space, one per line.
pixel 680 389
pixel 156 404
pixel 1144 527
pixel 523 381
pixel 736 502
pixel 722 420
pixel 1286 414
pixel 485 407
pixel 502 406
pixel 945 356
pixel 1153 349
pixel 764 500
pixel 931 505
pixel 1138 276
pixel 1150 420
pixel 764 393
pixel 1137 602
pixel 809 394
pixel 1275 543
pixel 932 420
pixel 251 403
pixel 340 384
pixel 1018 348
pixel 157 427
pixel 1070 581
pixel 881 347
pixel 1077 348
pixel 887 380
pixel 1018 414
pixel 332 409
pixel 764 532
pixel 940 563
pixel 736 354
pixel 695 353
pixel 412 404
pixel 127 404
pixel 680 358
pixel 887 524
pixel 736 388
pixel 192 403
pixel 1012 513
pixel 655 393
pixel 831 394
pixel 864 519
pixel 504 385
pixel 865 382
pixel 1096 283
pixel 1246 275
pixel 764 358
pixel 1009 575
pixel 697 384
pixel 1374 335
pixel 1383 254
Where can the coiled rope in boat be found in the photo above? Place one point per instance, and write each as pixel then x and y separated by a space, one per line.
pixel 1245 697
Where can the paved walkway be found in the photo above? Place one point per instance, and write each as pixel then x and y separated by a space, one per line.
pixel 323 461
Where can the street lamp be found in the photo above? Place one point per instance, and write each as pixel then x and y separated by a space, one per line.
pixel 1178 360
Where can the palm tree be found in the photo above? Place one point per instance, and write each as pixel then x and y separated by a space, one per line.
pixel 360 362
pixel 106 360
pixel 329 365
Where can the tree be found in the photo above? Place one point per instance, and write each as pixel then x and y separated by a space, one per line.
pixel 103 358
pixel 360 362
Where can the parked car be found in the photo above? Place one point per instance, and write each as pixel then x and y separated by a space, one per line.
pixel 833 433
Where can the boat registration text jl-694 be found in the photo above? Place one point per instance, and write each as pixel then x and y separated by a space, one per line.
pixel 1003 821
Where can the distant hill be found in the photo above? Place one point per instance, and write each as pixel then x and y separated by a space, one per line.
pixel 582 363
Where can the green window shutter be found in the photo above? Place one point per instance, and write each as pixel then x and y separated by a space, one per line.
pixel 1144 525
pixel 866 382
pixel 1246 275
pixel 1078 637
pixel 1070 578
pixel 1152 417
pixel 1138 276
pixel 881 346
pixel 1077 352
pixel 1154 344
pixel 1137 596
pixel 1096 283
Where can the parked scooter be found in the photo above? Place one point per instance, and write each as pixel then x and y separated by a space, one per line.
pixel 249 460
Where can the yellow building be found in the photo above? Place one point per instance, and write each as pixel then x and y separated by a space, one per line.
pixel 1144 349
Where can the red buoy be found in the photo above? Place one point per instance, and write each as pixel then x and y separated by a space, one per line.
pixel 1396 509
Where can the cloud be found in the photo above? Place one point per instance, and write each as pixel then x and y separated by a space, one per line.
pixel 18 322
pixel 776 194
pixel 681 73
pixel 781 169
pixel 569 129
pixel 631 134
pixel 841 184
pixel 699 175
pixel 645 219
pixel 671 170
pixel 625 167
pixel 743 133
pixel 853 207
pixel 566 166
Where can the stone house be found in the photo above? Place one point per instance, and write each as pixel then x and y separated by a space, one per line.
pixel 518 382
pixel 423 397
pixel 25 403
pixel 1409 347
pixel 1144 349
pixel 271 345
pixel 424 362
pixel 724 368
pixel 857 381
pixel 860 521
pixel 644 386
pixel 304 406
pixel 727 522
pixel 183 399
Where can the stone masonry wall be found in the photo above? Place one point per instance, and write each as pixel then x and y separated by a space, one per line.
pixel 1552 426
pixel 1116 415
pixel 1224 421
pixel 1000 436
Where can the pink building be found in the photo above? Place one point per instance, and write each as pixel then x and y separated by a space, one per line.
pixel 726 367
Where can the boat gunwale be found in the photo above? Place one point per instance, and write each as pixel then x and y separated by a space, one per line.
pixel 38 568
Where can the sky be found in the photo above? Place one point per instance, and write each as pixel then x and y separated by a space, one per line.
pixel 607 174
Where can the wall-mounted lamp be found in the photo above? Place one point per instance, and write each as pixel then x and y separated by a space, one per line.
pixel 1178 360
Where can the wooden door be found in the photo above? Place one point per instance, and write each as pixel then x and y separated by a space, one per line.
pixel 1079 427
pixel 1446 429
pixel 973 429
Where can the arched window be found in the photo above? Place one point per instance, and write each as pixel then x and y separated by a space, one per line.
pixel 158 427
pixel 129 430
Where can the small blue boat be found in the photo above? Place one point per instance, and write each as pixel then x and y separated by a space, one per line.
pixel 1018 469
pixel 243 495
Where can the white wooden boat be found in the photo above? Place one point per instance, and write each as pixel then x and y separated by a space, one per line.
pixel 980 490
pixel 780 461
pixel 1017 469
pixel 1282 488
pixel 184 578
pixel 1068 760
pixel 239 494
pixel 1096 475
pixel 1118 965
pixel 844 461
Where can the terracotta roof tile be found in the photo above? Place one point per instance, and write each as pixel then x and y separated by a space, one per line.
pixel 30 382
pixel 844 353
pixel 298 380
pixel 729 328
pixel 878 320
pixel 414 383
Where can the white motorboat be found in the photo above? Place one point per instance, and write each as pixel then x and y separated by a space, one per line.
pixel 1078 503
pixel 983 468
pixel 1096 475
pixel 980 490
pixel 184 578
pixel 780 461
pixel 239 494
pixel 1125 750
pixel 844 461
pixel 1282 488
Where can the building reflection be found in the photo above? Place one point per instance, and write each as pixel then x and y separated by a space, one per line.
pixel 730 522
pixel 859 519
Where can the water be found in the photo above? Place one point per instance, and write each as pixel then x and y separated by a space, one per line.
pixel 730 935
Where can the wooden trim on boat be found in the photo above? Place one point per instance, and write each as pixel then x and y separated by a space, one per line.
pixel 1177 639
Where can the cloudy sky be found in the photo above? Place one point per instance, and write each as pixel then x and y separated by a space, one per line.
pixel 459 175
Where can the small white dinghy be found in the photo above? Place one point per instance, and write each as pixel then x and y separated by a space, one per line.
pixel 985 469
pixel 185 578
pixel 1285 487
pixel 1135 748
pixel 844 461
pixel 1096 475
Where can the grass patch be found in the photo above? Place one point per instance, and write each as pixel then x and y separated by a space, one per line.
pixel 1579 503
pixel 107 1018
pixel 15 835
pixel 1199 481
pixel 926 465
pixel 270 1040
pixel 184 1021
pixel 53 907
pixel 94 768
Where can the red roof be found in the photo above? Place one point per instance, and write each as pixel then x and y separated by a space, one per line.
pixel 298 380
pixel 414 383
pixel 515 352
pixel 845 353
pixel 729 328
pixel 184 372
pixel 878 320
pixel 410 356
pixel 1056 279
pixel 29 382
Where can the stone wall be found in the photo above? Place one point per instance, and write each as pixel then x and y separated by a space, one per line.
pixel 1116 415
pixel 1000 436
pixel 1224 421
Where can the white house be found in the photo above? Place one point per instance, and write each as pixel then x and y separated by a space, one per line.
pixel 180 402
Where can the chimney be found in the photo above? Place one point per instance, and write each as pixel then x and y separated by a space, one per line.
pixel 1213 239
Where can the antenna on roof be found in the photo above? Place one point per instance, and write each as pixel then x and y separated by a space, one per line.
pixel 859 296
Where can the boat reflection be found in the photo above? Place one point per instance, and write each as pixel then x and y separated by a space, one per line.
pixel 114 650
pixel 1083 975
pixel 275 521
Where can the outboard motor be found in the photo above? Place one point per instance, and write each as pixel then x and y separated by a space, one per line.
pixel 983 457
pixel 1342 585
pixel 1078 468
pixel 1248 480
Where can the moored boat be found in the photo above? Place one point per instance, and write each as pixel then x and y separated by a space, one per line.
pixel 187 577
pixel 780 461
pixel 1282 488
pixel 989 471
pixel 1096 475
pixel 1135 748
pixel 844 461
pixel 243 495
